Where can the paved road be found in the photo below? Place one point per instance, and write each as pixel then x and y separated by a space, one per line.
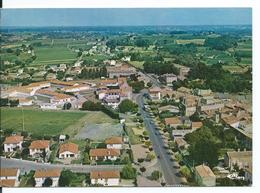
pixel 158 146
pixel 25 165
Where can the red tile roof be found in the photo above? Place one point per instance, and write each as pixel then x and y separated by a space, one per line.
pixel 104 174
pixel 39 144
pixel 104 152
pixel 13 139
pixel 47 173
pixel 71 147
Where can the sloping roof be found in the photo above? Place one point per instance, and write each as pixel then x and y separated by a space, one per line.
pixel 53 94
pixel 7 183
pixel 240 154
pixel 13 139
pixel 155 90
pixel 180 142
pixel 172 120
pixel 104 152
pixel 71 147
pixel 104 174
pixel 204 171
pixel 47 173
pixel 114 140
pixel 4 172
pixel 196 125
pixel 39 144
pixel 230 120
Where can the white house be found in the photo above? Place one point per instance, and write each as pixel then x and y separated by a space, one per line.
pixel 12 143
pixel 104 154
pixel 25 102
pixel 41 175
pixel 155 93
pixel 38 146
pixel 9 177
pixel 114 143
pixel 68 150
pixel 62 138
pixel 105 178
pixel 204 176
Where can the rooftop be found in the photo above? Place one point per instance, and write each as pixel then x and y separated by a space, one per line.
pixel 39 144
pixel 5 172
pixel 114 140
pixel 104 174
pixel 47 173
pixel 204 171
pixel 13 139
pixel 104 152
pixel 71 147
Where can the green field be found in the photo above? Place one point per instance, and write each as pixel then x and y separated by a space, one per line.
pixel 53 55
pixel 191 41
pixel 37 121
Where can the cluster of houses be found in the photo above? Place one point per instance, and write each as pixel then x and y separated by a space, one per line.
pixel 113 91
pixel 10 177
pixel 67 150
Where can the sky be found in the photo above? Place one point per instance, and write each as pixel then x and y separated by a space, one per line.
pixel 126 17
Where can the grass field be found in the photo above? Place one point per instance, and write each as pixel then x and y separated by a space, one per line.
pixel 137 64
pixel 51 122
pixel 56 53
pixel 193 41
pixel 37 121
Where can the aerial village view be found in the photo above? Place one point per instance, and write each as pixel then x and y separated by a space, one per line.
pixel 126 106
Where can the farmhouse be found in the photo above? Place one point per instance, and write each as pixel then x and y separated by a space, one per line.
pixel 204 176
pixel 68 150
pixel 13 143
pixel 104 154
pixel 105 178
pixel 38 146
pixel 41 175
pixel 9 177
pixel 114 143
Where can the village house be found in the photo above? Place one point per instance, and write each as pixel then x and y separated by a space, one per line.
pixel 105 178
pixel 231 121
pixel 190 104
pixel 242 159
pixel 155 93
pixel 25 102
pixel 196 125
pixel 62 138
pixel 181 143
pixel 114 142
pixel 39 146
pixel 120 71
pixel 12 143
pixel 202 92
pixel 9 177
pixel 173 122
pixel 104 154
pixel 204 176
pixel 168 79
pixel 41 175
pixel 76 88
pixel 209 103
pixel 68 150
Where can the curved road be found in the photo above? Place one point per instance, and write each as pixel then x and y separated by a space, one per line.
pixel 168 170
pixel 25 165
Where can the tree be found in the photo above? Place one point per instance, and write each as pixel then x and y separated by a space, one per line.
pixel 156 175
pixel 65 178
pixel 67 106
pixel 47 182
pixel 142 169
pixel 128 172
pixel 127 106
pixel 91 106
pixel 186 172
pixel 86 159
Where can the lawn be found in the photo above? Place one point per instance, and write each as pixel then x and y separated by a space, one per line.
pixel 37 121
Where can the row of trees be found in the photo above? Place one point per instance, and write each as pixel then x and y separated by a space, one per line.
pixel 93 73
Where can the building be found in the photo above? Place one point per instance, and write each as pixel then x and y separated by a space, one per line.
pixel 62 138
pixel 68 150
pixel 204 176
pixel 38 146
pixel 120 71
pixel 9 177
pixel 202 92
pixel 104 154
pixel 114 143
pixel 168 79
pixel 12 143
pixel 76 88
pixel 181 143
pixel 173 122
pixel 196 125
pixel 41 175
pixel 242 159
pixel 25 102
pixel 155 93
pixel 105 178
